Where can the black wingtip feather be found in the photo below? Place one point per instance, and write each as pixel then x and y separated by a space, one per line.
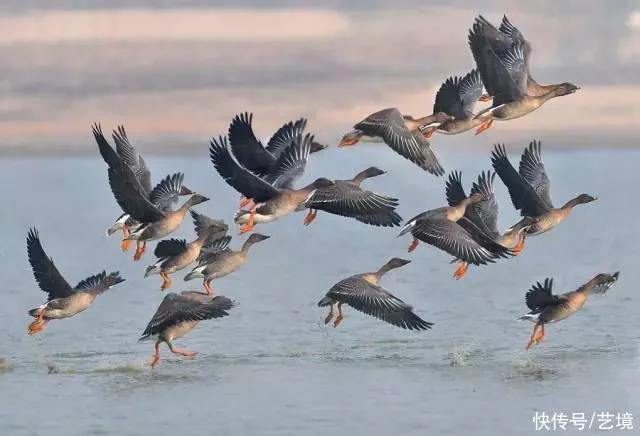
pixel 540 295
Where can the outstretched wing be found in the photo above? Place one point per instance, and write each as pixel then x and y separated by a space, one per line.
pixel 383 219
pixel 458 96
pixel 175 309
pixel 291 162
pixel 109 155
pixel 539 296
pixel 484 214
pixel 99 282
pixel 470 91
pixel 202 223
pixel 169 248
pixel 377 302
pixel 508 29
pixel 523 195
pixel 238 177
pixel 285 135
pixel 131 197
pixel 388 124
pixel 454 190
pixel 44 270
pixel 533 171
pixel 503 72
pixel 167 192
pixel 246 147
pixel 448 99
pixel 212 247
pixel 132 158
pixel 479 214
pixel 456 240
pixel 348 199
pixel 126 188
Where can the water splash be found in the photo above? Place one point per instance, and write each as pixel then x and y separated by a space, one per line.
pixel 5 365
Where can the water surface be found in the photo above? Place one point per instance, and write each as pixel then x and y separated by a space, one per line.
pixel 273 367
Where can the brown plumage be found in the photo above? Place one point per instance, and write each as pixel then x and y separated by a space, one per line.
pixel 546 307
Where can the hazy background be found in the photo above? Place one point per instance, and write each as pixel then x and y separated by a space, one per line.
pixel 176 73
pixel 175 76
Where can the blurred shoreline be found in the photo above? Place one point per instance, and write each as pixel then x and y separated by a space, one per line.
pixel 466 143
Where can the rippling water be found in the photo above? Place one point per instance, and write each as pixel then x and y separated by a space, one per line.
pixel 273 367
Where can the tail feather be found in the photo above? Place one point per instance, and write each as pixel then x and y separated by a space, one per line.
pixel 239 215
pixel 36 312
pixel 147 337
pixel 196 273
pixel 407 228
pixel 533 317
pixel 325 302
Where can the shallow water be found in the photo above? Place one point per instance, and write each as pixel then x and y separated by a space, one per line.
pixel 273 367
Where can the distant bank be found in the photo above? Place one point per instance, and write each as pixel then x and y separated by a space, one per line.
pixel 481 144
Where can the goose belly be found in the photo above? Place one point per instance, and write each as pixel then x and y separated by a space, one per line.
pixel 67 307
pixel 66 312
pixel 545 223
pixel 516 109
pixel 258 218
pixel 267 213
pixel 370 138
pixel 179 330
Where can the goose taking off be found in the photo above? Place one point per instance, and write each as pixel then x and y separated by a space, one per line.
pixel 262 160
pixel 363 293
pixel 546 307
pixel 222 261
pixel 272 203
pixel 155 222
pixel 529 189
pixel 503 59
pixel 178 314
pixel 63 301
pixel 483 215
pixel 343 196
pixel 457 97
pixel 443 228
pixel 402 133
pixel 175 254
pixel 164 195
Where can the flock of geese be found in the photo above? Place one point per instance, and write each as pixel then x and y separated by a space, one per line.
pixel 265 177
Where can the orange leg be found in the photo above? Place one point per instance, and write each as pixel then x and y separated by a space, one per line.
pixel 533 336
pixel 156 357
pixel 141 247
pixel 485 97
pixel 207 286
pixel 166 281
pixel 310 217
pixel 429 132
pixel 413 245
pixel 484 126
pixel 37 325
pixel 339 317
pixel 180 352
pixel 540 336
pixel 329 317
pixel 126 243
pixel 461 271
pixel 245 202
pixel 519 246
pixel 251 224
